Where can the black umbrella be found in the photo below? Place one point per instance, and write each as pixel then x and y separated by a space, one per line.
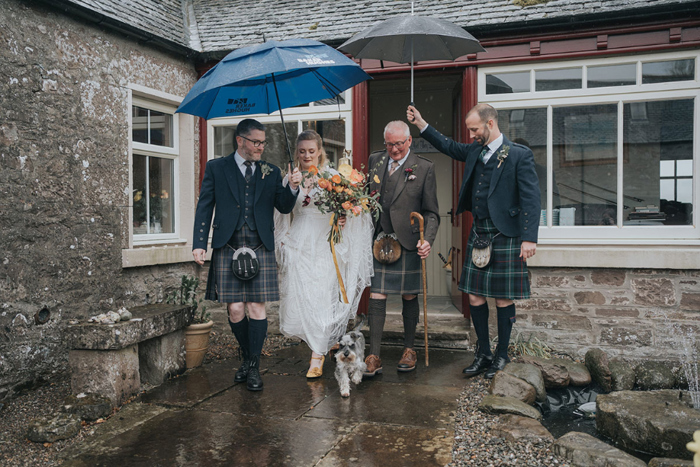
pixel 410 39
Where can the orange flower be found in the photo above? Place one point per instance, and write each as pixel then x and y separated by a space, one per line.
pixel 348 191
pixel 357 210
pixel 323 183
pixel 338 188
pixel 336 179
pixel 355 177
pixel 313 170
pixel 347 205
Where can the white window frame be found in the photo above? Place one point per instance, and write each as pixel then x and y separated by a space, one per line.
pixel 655 246
pixel 176 247
pixel 296 115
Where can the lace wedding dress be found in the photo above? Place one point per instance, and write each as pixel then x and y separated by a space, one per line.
pixel 311 306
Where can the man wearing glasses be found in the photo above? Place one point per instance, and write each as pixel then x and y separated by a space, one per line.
pixel 245 191
pixel 406 183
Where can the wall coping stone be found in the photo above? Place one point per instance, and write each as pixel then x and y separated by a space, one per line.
pixel 148 321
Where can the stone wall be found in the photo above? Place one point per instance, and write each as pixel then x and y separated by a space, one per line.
pixel 626 312
pixel 64 177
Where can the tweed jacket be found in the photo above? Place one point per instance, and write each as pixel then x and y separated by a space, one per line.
pixel 419 195
pixel 220 189
pixel 514 194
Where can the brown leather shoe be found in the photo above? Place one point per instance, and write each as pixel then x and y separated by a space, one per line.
pixel 374 365
pixel 408 360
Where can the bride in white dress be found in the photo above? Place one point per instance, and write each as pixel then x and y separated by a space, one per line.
pixel 310 304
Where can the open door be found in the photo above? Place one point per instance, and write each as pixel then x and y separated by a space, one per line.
pixel 465 98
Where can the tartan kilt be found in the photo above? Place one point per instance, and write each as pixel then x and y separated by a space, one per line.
pixel 223 286
pixel 400 277
pixel 506 276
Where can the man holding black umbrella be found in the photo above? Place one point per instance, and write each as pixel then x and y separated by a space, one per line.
pixel 243 271
pixel 501 190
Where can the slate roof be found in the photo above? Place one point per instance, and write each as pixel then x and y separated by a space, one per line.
pixel 217 26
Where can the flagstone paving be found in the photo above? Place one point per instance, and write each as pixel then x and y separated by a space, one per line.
pixel 203 418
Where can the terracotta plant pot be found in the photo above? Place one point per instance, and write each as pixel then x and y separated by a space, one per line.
pixel 196 343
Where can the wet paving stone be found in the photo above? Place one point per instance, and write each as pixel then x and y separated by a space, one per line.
pixel 388 446
pixel 284 397
pixel 377 402
pixel 203 438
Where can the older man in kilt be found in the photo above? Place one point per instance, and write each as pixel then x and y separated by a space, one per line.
pixel 245 191
pixel 406 183
pixel 501 190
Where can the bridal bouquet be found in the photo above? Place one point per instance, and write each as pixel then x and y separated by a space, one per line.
pixel 345 193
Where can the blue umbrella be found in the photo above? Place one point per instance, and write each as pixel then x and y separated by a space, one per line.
pixel 272 76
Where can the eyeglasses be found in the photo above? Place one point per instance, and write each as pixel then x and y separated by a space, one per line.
pixel 255 142
pixel 395 145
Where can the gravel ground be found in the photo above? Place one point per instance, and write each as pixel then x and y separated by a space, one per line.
pixel 473 446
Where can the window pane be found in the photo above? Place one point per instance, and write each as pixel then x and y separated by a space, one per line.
pixel 506 83
pixel 161 209
pixel 529 128
pixel 139 122
pixel 663 72
pixel 333 134
pixel 585 163
pixel 140 195
pixel 613 75
pixel 161 128
pixel 553 80
pixel 655 150
pixel 224 140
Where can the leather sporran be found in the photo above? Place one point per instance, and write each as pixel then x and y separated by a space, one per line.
pixel 482 250
pixel 245 264
pixel 386 249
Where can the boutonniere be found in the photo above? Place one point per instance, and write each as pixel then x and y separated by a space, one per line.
pixel 409 173
pixel 265 169
pixel 502 154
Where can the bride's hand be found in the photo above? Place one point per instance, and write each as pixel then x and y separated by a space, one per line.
pixel 341 221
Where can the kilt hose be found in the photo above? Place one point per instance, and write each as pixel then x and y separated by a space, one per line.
pixel 506 276
pixel 223 286
pixel 400 277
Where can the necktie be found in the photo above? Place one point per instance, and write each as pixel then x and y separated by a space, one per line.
pixel 483 154
pixel 394 166
pixel 248 170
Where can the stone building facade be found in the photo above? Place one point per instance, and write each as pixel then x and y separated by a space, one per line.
pixel 65 90
pixel 81 79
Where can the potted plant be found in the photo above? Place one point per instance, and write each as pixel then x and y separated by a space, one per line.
pixel 197 333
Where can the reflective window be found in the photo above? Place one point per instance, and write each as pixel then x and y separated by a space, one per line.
pixel 152 127
pixel 554 80
pixel 507 83
pixel 153 188
pixel 672 70
pixel 612 75
pixel 333 134
pixel 585 164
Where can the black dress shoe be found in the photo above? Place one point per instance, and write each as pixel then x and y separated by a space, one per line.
pixel 480 364
pixel 254 380
pixel 498 364
pixel 242 373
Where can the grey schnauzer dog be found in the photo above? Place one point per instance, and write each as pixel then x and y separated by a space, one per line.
pixel 350 358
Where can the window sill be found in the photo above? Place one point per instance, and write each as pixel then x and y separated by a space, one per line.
pixel 157 254
pixel 616 256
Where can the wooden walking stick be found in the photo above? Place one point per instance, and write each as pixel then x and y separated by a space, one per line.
pixel 416 215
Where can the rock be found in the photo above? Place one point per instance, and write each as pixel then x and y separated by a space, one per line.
pixel 654 375
pixel 622 375
pixel 666 462
pixel 88 407
pixel 657 422
pixel 54 428
pixel 507 385
pixel 531 374
pixel 578 373
pixel 498 404
pixel 585 450
pixel 555 375
pixel 598 365
pixel 516 428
